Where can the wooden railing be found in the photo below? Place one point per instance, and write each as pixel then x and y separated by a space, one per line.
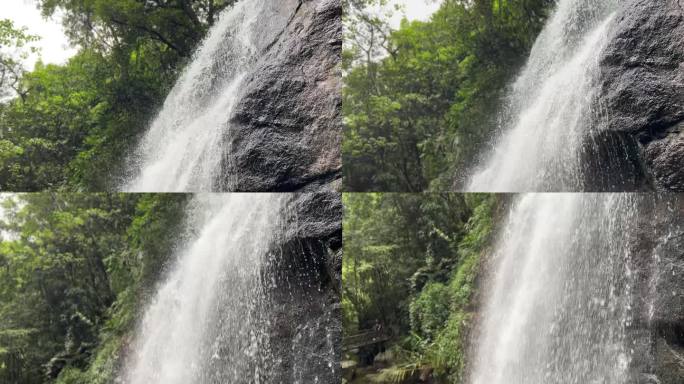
pixel 363 339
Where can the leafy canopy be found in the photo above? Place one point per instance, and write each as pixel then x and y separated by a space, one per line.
pixel 419 102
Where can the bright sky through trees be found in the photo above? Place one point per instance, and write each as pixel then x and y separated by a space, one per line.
pixel 414 10
pixel 53 43
pixel 55 47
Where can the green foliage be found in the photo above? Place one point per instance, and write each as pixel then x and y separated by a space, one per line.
pixel 387 239
pixel 430 310
pixel 104 24
pixel 419 102
pixel 74 271
pixel 411 264
pixel 72 376
pixel 103 366
pixel 74 123
pixel 446 355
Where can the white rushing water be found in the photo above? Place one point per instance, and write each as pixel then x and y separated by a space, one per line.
pixel 560 294
pixel 551 107
pixel 207 323
pixel 184 149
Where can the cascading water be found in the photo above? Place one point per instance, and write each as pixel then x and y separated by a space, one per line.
pixel 552 106
pixel 209 320
pixel 183 149
pixel 560 301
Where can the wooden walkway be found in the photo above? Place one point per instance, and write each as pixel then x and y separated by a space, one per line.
pixel 363 339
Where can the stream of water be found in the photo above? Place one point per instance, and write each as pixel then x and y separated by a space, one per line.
pixel 208 322
pixel 551 106
pixel 560 298
pixel 184 148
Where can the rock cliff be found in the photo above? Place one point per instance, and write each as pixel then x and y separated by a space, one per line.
pixel 306 328
pixel 286 129
pixel 642 89
pixel 657 260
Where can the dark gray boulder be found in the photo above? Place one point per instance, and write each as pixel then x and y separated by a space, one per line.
pixel 286 129
pixel 642 88
pixel 304 294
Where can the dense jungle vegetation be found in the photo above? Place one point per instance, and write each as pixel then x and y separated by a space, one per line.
pixel 69 126
pixel 73 270
pixel 411 263
pixel 419 102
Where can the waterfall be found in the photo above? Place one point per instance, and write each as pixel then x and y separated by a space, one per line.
pixel 560 302
pixel 208 321
pixel 551 106
pixel 184 148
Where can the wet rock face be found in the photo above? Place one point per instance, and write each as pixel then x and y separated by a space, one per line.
pixel 642 87
pixel 658 305
pixel 286 129
pixel 306 330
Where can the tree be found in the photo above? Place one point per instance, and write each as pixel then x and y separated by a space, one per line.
pixel 411 262
pixel 394 244
pixel 106 25
pixel 14 47
pixel 75 123
pixel 421 101
pixel 74 270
